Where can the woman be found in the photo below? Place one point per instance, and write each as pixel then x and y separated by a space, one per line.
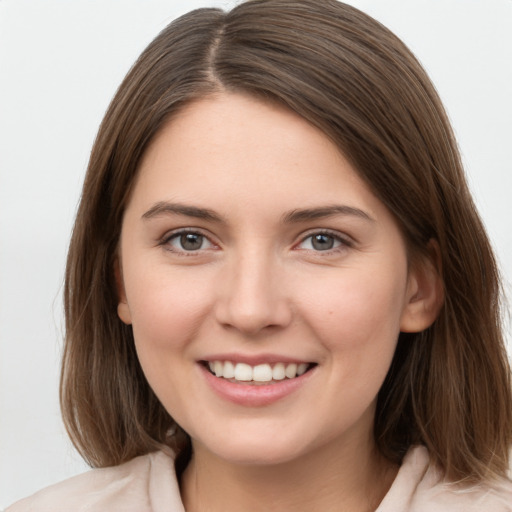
pixel 277 276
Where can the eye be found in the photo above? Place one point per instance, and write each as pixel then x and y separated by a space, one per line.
pixel 188 241
pixel 322 242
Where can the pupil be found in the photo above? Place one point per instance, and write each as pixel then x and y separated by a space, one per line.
pixel 323 242
pixel 191 241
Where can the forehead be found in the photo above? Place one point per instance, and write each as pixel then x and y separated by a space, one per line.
pixel 232 127
pixel 229 141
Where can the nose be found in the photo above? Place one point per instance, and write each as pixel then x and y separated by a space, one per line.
pixel 252 296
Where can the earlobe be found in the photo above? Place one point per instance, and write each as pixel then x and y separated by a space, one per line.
pixel 123 310
pixel 425 291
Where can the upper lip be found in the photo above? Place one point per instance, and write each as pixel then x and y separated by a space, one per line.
pixel 254 359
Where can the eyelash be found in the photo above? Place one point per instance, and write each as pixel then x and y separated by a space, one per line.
pixel 342 241
pixel 176 235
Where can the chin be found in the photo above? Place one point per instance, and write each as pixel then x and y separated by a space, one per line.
pixel 255 448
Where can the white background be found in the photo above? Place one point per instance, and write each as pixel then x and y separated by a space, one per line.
pixel 60 63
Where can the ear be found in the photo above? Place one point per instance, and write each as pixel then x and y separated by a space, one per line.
pixel 123 310
pixel 425 291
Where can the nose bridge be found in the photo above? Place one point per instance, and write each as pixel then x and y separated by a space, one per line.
pixel 251 296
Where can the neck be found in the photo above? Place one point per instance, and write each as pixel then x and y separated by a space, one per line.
pixel 348 478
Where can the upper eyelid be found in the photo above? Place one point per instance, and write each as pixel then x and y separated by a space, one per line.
pixel 330 232
pixel 343 237
pixel 174 232
pixel 169 235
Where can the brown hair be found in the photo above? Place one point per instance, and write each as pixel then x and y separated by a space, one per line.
pixel 448 386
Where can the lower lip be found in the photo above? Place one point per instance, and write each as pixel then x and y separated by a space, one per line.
pixel 251 395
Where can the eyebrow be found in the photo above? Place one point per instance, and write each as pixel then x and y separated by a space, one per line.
pixel 294 216
pixel 166 208
pixel 324 212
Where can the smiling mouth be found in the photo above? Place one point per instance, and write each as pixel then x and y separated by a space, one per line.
pixel 243 373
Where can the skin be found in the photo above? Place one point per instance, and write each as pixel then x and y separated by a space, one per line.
pixel 256 285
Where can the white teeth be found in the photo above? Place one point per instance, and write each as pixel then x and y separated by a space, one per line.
pixel 262 373
pixel 243 372
pixel 291 370
pixel 259 373
pixel 301 369
pixel 278 372
pixel 229 370
pixel 218 368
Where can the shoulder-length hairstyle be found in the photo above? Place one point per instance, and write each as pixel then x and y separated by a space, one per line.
pixel 448 387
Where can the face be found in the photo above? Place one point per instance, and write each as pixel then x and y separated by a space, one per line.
pixel 265 283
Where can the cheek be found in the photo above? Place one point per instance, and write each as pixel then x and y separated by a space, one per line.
pixel 357 314
pixel 357 320
pixel 166 305
pixel 168 309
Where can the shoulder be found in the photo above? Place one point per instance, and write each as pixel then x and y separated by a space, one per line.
pixel 420 487
pixel 144 484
